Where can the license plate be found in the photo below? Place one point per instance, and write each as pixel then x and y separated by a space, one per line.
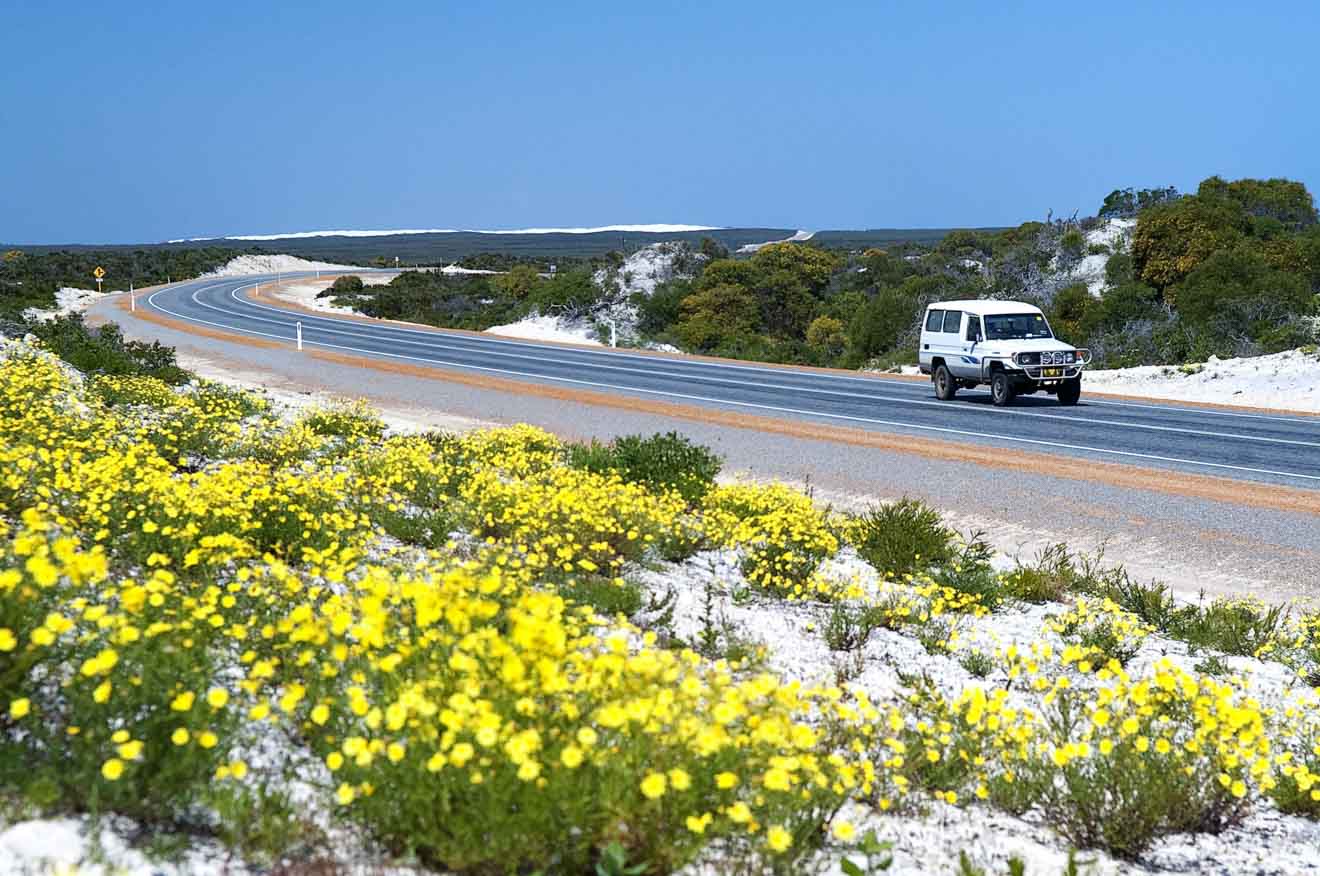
pixel 1053 372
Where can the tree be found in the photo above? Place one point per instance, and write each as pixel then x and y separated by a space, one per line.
pixel 657 312
pixel 1075 312
pixel 785 302
pixel 809 266
pixel 1123 203
pixel 348 286
pixel 1172 239
pixel 825 336
pixel 1285 201
pixel 1237 288
pixel 519 283
pixel 728 271
pixel 1119 203
pixel 712 249
pixel 889 318
pixel 716 317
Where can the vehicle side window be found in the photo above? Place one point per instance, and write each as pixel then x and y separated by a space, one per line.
pixel 935 321
pixel 952 320
pixel 973 328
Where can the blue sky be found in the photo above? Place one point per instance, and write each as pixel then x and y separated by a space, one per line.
pixel 130 122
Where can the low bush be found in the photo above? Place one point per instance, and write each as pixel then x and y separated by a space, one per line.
pixel 667 461
pixel 103 350
pixel 970 572
pixel 902 538
pixel 1243 627
pixel 355 420
pixel 1163 755
pixel 783 536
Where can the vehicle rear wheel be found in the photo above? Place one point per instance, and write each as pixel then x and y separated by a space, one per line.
pixel 945 385
pixel 1070 391
pixel 1001 389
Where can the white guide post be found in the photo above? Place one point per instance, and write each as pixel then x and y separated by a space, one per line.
pixel 132 299
pixel 299 336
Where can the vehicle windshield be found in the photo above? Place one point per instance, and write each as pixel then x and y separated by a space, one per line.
pixel 1016 327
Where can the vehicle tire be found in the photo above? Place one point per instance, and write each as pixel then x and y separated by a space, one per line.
pixel 1002 392
pixel 945 385
pixel 1070 391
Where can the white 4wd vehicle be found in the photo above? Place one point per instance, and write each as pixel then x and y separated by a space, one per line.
pixel 1006 344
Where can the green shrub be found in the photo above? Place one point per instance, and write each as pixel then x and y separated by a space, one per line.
pixel 970 572
pixel 977 663
pixel 347 287
pixel 668 461
pixel 1233 626
pixel 903 538
pixel 103 350
pixel 608 596
pixel 850 626
pixel 355 420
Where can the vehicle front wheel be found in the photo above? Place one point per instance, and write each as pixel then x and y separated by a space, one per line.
pixel 1070 391
pixel 945 385
pixel 1001 389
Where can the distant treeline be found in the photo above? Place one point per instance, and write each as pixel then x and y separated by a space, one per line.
pixel 30 279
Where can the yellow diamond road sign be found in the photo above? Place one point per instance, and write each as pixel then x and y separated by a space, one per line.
pixel 99 272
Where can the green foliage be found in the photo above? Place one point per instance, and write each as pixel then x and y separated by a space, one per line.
pixel 877 856
pixel 452 301
pixel 1048 579
pixel 668 461
pixel 1075 312
pixel 608 596
pixel 1073 242
pixel 881 323
pixel 1285 201
pixel 717 318
pixel 103 350
pixel 970 572
pixel 1122 203
pixel 1124 801
pixel 1239 292
pixel 1172 239
pixel 849 626
pixel 659 311
pixel 519 283
pixel 347 286
pixel 1231 626
pixel 903 537
pixel 977 663
pixel 825 335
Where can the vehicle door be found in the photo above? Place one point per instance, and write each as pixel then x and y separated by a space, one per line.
pixel 953 348
pixel 931 334
pixel 972 336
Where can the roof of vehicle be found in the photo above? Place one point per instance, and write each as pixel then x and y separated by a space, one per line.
pixel 983 307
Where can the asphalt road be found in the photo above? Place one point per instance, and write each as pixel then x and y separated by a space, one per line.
pixel 1269 448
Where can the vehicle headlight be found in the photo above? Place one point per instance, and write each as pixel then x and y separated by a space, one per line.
pixel 1047 358
pixel 1068 358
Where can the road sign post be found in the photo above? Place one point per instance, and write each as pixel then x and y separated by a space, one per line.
pixel 99 274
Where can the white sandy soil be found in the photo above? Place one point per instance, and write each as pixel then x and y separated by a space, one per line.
pixel 548 328
pixel 1288 381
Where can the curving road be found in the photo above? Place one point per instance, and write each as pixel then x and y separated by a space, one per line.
pixel 1261 447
